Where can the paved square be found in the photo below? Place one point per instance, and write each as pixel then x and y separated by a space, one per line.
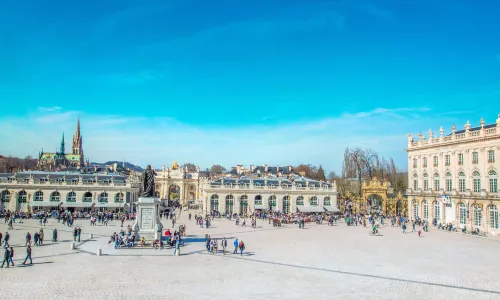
pixel 317 262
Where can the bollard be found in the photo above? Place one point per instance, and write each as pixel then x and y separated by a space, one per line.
pixel 91 236
pixel 99 252
pixel 178 252
pixel 73 246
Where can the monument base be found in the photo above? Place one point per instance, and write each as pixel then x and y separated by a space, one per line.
pixel 147 220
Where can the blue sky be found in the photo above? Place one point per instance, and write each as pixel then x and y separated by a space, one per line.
pixel 276 82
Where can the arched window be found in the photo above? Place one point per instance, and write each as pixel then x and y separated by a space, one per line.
pixel 437 184
pixel 71 197
pixel 462 212
pixel 478 215
pixel 272 202
pixel 426 209
pixel 258 200
pixel 229 204
pixel 299 200
pixel 476 177
pixel 437 211
pixel 415 210
pixel 214 202
pixel 119 197
pixel 55 196
pixel 22 197
pixel 493 217
pixel 449 182
pixel 103 197
pixel 244 204
pixel 87 197
pixel 314 201
pixel 493 181
pixel 461 182
pixel 38 196
pixel 5 196
pixel 327 201
pixel 286 204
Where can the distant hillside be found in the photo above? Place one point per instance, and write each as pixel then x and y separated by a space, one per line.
pixel 120 163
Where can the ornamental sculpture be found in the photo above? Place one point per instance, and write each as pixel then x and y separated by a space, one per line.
pixel 148 182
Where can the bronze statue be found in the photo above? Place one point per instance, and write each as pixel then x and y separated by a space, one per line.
pixel 148 183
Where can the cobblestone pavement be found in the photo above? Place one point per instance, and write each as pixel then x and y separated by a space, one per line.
pixel 317 262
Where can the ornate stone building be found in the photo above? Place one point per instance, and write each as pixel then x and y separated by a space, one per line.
pixel 245 195
pixel 60 159
pixel 29 191
pixel 453 178
pixel 234 193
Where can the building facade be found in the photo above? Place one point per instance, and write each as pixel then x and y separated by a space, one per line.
pixel 31 191
pixel 175 183
pixel 246 195
pixel 60 159
pixel 454 178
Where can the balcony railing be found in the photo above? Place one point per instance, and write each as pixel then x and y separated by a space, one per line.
pixel 491 160
pixel 475 161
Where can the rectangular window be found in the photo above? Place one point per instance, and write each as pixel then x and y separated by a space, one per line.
pixel 436 184
pixel 415 184
pixel 494 218
pixel 475 157
pixel 426 211
pixel 460 159
pixel 461 184
pixel 425 162
pixel 477 185
pixel 447 160
pixel 449 185
pixel 437 211
pixel 414 162
pixel 436 160
pixel 477 216
pixel 426 185
pixel 493 185
pixel 491 156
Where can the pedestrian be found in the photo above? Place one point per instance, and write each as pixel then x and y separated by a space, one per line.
pixel 28 239
pixel 79 232
pixel 224 246
pixel 28 255
pixel 41 236
pixel 419 232
pixel 235 243
pixel 177 243
pixel 75 233
pixel 404 228
pixel 242 247
pixel 11 257
pixel 54 235
pixel 189 216
pixel 123 220
pixel 1 239
pixel 6 257
pixel 6 239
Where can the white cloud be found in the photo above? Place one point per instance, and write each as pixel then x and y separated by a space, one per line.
pixel 46 109
pixel 160 141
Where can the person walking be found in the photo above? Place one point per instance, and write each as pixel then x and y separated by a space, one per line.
pixel 242 247
pixel 54 235
pixel 28 255
pixel 403 226
pixel 6 239
pixel 79 233
pixel 6 257
pixel 28 239
pixel 235 243
pixel 177 245
pixel 75 233
pixel 224 246
pixel 41 236
pixel 11 257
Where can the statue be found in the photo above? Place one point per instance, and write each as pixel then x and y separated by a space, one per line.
pixel 148 183
pixel 174 166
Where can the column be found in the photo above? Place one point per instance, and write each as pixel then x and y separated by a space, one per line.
pixel 237 204
pixel 13 201
pixel 222 203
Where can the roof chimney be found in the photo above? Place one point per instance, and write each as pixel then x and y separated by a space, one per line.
pixel 251 168
pixel 266 168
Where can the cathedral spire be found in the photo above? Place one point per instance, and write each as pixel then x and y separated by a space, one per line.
pixel 62 150
pixel 77 133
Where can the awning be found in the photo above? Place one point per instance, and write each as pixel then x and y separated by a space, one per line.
pixel 259 207
pixel 310 209
pixel 110 204
pixel 77 204
pixel 45 203
pixel 331 208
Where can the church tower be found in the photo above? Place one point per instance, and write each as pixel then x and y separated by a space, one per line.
pixel 77 143
pixel 62 149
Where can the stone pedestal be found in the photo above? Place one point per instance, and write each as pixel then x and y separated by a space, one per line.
pixel 147 220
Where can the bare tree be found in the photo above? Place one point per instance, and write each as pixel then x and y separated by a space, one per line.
pixel 190 166
pixel 217 170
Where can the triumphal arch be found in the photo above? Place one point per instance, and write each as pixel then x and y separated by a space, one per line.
pixel 175 183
